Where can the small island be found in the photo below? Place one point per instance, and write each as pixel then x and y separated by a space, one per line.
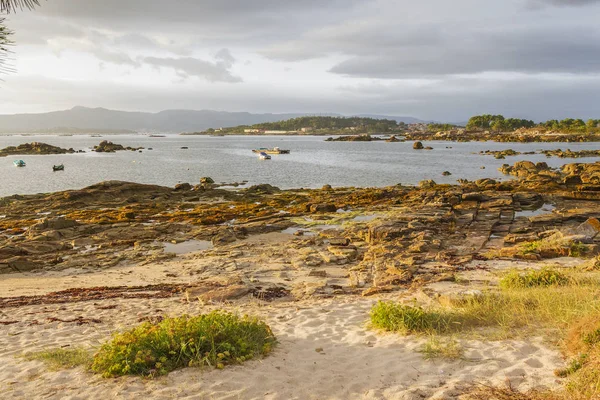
pixel 109 147
pixel 34 148
pixel 313 125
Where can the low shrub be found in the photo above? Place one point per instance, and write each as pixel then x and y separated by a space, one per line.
pixel 215 339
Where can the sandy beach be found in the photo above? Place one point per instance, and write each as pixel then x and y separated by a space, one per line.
pixel 326 351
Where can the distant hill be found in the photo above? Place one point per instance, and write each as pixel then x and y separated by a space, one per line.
pixel 321 124
pixel 83 120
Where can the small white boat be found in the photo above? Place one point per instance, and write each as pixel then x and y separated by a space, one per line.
pixel 264 156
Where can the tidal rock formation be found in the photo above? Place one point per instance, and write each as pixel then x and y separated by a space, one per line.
pixel 34 148
pixel 109 147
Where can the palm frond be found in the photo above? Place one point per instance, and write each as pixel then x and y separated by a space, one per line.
pixel 8 6
pixel 5 42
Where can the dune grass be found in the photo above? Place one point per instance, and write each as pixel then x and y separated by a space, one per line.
pixel 534 278
pixel 562 305
pixel 545 298
pixel 57 359
pixel 407 319
pixel 215 339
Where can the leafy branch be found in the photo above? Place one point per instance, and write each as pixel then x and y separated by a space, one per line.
pixel 8 6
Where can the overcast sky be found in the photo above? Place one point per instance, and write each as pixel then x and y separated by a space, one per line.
pixel 433 59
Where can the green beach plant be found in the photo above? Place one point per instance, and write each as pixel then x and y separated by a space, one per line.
pixel 215 339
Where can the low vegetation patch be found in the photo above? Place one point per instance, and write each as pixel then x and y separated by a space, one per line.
pixel 57 359
pixel 534 278
pixel 553 246
pixel 215 339
pixel 556 245
pixel 548 300
pixel 545 298
pixel 445 348
pixel 406 319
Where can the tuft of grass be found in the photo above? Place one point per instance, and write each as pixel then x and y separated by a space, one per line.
pixel 534 278
pixel 592 338
pixel 584 383
pixel 444 348
pixel 575 365
pixel 406 319
pixel 215 339
pixel 57 359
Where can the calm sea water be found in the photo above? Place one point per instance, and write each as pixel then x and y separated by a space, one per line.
pixel 311 164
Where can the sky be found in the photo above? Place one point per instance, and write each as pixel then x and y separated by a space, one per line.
pixel 433 59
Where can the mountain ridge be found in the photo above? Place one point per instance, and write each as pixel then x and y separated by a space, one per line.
pixel 166 121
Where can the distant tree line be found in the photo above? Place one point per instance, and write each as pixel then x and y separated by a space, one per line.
pixel 501 124
pixel 573 125
pixel 442 127
pixel 370 125
pixel 498 123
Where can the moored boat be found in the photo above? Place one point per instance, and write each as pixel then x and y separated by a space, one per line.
pixel 19 163
pixel 60 167
pixel 274 150
pixel 264 156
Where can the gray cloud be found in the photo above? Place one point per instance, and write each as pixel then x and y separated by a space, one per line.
pixel 449 99
pixel 542 51
pixel 378 49
pixel 563 3
pixel 527 58
pixel 217 71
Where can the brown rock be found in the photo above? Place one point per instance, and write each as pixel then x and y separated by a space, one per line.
pixel 322 208
pixel 339 241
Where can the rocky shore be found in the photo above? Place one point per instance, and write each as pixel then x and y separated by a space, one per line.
pixel 85 262
pixel 370 240
pixel 502 154
pixel 520 136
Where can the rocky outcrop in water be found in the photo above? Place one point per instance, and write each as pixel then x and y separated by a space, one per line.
pixel 109 147
pixel 571 154
pixel 34 148
pixel 524 168
pixel 354 138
